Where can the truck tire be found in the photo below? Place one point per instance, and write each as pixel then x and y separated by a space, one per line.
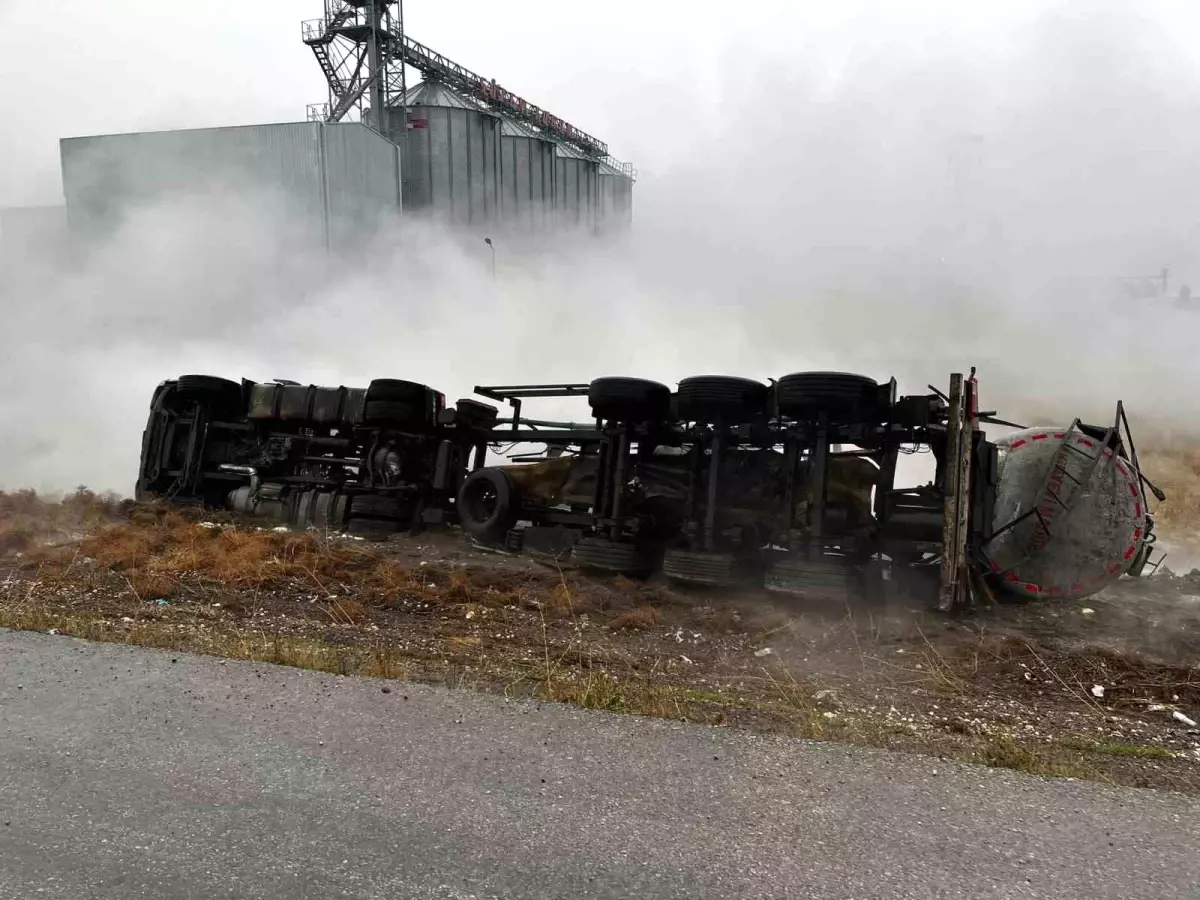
pixel 817 579
pixel 371 529
pixel 698 567
pixel 841 395
pixel 220 394
pixel 393 412
pixel 407 404
pixel 397 391
pixel 613 556
pixel 329 511
pixel 382 506
pixel 724 398
pixel 629 399
pixel 487 505
pixel 303 509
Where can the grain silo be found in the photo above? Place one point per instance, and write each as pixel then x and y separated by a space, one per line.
pixel 452 156
pixel 526 177
pixel 616 195
pixel 475 151
pixel 576 188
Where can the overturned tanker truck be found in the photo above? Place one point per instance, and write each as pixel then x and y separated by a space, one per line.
pixel 723 481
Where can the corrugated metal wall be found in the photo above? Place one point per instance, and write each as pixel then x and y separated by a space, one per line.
pixel 576 189
pixel 526 179
pixel 363 181
pixel 325 180
pixel 333 183
pixel 624 196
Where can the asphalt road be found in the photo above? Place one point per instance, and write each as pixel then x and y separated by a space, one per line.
pixel 131 773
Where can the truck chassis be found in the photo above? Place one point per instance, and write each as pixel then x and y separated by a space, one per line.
pixel 722 481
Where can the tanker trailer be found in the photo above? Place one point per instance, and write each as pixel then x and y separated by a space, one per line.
pixel 1070 514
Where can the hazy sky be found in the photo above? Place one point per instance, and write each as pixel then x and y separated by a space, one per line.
pixel 638 75
pixel 795 209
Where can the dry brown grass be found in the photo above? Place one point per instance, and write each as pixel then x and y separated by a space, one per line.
pixel 28 520
pixel 349 607
pixel 638 618
pixel 153 560
pixel 160 554
pixel 1175 467
pixel 16 537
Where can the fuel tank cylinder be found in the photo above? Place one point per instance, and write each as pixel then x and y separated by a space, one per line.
pixel 1070 514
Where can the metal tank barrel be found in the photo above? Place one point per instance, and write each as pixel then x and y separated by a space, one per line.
pixel 1070 514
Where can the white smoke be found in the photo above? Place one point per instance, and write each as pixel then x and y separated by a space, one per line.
pixel 812 224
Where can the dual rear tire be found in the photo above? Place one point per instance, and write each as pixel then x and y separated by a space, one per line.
pixel 710 399
pixel 701 398
pixel 629 399
pixel 377 517
pixel 221 396
pixel 699 567
pixel 400 404
pixel 842 396
pixel 618 557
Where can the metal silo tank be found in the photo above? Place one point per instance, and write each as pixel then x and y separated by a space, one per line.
pixel 608 194
pixel 452 163
pixel 527 182
pixel 623 195
pixel 616 194
pixel 576 188
pixel 616 197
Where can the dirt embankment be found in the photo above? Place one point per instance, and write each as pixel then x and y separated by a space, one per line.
pixel 1107 689
pixel 1175 468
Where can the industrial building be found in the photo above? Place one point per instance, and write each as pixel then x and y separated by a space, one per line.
pixel 335 183
pixel 454 147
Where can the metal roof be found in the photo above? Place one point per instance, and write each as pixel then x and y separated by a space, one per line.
pixel 571 153
pixel 512 128
pixel 434 93
pixel 431 93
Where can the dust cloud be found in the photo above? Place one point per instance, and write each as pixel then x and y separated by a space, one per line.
pixel 923 209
